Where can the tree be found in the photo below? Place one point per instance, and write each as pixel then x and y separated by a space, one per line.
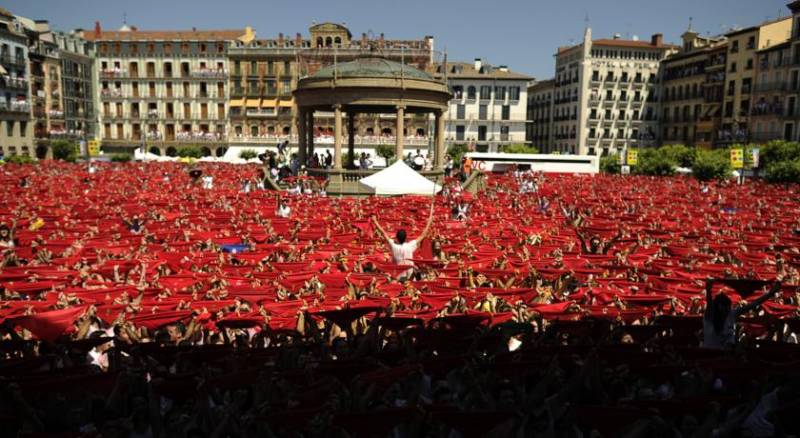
pixel 778 150
pixel 64 150
pixel 713 164
pixel 654 162
pixel 121 158
pixel 520 149
pixel 784 171
pixel 248 154
pixel 190 152
pixel 385 151
pixel 457 151
pixel 20 159
pixel 610 164
pixel 679 154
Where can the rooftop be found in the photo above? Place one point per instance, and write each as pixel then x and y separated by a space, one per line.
pixel 466 70
pixel 371 67
pixel 164 35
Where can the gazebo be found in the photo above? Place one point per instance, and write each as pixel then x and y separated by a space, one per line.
pixel 372 85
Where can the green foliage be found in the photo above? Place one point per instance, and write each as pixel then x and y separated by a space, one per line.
pixel 679 154
pixel 20 159
pixel 712 164
pixel 655 162
pixel 777 151
pixel 610 164
pixel 457 151
pixel 784 171
pixel 519 149
pixel 190 152
pixel 64 150
pixel 121 158
pixel 248 154
pixel 385 151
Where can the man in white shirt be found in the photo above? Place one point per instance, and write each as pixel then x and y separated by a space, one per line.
pixel 283 209
pixel 403 250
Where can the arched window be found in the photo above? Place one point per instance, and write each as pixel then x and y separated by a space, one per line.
pixel 470 92
pixel 254 131
pixel 337 41
pixel 319 42
pixel 420 132
pixel 386 131
pixel 328 42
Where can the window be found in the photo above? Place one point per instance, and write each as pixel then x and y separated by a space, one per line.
pixel 482 112
pixel 733 67
pixel 513 93
pixel 499 93
pixel 749 65
pixel 10 128
pixel 460 132
pixel 506 113
pixel 460 112
pixel 735 46
pixel 202 47
pixel 486 92
pixel 751 43
pixel 471 92
pixel 23 126
pixel 481 133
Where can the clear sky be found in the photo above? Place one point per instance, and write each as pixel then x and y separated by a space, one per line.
pixel 522 34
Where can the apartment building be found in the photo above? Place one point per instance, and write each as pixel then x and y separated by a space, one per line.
pixel 489 108
pixel 606 96
pixel 540 111
pixel 692 84
pixel 16 129
pixel 264 72
pixel 740 71
pixel 78 86
pixel 162 89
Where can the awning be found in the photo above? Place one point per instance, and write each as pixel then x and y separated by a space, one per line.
pixel 268 103
pixel 237 102
pixel 286 103
pixel 253 103
pixel 3 70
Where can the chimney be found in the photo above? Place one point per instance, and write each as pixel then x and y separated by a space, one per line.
pixel 280 40
pixel 97 30
pixel 503 68
pixel 478 64
pixel 657 40
pixel 298 40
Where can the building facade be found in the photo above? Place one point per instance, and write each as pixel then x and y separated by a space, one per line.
pixel 264 73
pixel 740 70
pixel 47 111
pixel 606 96
pixel 540 111
pixel 78 80
pixel 163 90
pixel 489 107
pixel 16 129
pixel 692 83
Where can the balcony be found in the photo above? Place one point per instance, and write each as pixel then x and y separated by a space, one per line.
pixel 16 106
pixel 10 83
pixel 13 62
pixel 112 73
pixel 55 114
pixel 208 74
pixel 111 93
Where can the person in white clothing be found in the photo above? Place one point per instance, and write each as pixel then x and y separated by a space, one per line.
pixel 402 249
pixel 284 210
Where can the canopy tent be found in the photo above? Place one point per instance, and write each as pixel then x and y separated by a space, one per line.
pixel 399 179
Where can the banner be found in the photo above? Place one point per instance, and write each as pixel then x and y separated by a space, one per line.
pixel 94 148
pixel 737 158
pixel 633 157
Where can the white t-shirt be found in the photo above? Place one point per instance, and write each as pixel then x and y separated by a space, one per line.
pixel 403 253
pixel 284 211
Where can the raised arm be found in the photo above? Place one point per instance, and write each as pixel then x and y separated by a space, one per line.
pixel 381 231
pixel 776 287
pixel 611 242
pixel 584 248
pixel 427 226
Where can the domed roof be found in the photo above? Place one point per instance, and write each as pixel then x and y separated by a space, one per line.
pixel 371 67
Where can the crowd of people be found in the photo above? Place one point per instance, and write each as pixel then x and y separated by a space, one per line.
pixel 136 303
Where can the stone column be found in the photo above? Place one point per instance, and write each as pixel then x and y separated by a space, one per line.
pixel 310 132
pixel 398 135
pixel 351 139
pixel 439 147
pixel 301 135
pixel 337 137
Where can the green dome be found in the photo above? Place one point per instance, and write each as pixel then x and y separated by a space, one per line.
pixel 371 67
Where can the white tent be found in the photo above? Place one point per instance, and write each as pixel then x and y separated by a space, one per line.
pixel 399 179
